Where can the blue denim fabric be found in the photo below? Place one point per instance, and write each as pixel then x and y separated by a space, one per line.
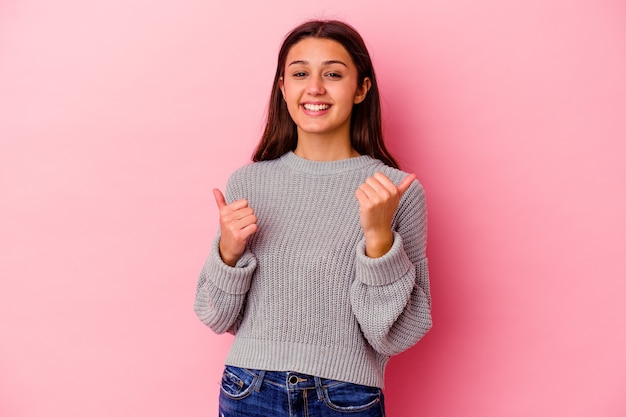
pixel 252 393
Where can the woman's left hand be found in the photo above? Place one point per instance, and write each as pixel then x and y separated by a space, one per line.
pixel 378 200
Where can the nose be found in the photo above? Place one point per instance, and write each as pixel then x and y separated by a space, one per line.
pixel 315 86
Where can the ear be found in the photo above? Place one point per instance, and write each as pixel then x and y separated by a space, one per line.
pixel 362 90
pixel 281 85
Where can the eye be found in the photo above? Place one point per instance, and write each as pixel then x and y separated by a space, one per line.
pixel 333 75
pixel 299 74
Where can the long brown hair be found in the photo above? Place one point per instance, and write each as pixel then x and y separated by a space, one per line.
pixel 280 135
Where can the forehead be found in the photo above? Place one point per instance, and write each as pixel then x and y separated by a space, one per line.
pixel 315 51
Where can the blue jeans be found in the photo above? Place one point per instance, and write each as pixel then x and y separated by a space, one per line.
pixel 252 393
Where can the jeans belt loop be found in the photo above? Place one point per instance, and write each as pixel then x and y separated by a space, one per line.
pixel 259 381
pixel 318 388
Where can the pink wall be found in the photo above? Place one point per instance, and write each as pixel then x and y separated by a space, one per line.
pixel 117 118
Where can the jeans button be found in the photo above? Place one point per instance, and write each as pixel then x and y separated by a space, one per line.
pixel 293 379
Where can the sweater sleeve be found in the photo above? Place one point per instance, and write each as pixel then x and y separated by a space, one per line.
pixel 391 294
pixel 222 290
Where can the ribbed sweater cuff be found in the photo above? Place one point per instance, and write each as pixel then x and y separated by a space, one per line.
pixel 231 279
pixel 385 270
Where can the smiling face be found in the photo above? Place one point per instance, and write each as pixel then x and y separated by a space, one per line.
pixel 320 86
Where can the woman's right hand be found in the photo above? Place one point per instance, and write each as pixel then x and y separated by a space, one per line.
pixel 237 224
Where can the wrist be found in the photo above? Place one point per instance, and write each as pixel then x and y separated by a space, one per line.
pixel 228 259
pixel 378 244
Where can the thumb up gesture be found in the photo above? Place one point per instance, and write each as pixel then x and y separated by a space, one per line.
pixel 237 224
pixel 378 200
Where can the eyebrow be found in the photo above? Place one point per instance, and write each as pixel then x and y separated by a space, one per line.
pixel 325 63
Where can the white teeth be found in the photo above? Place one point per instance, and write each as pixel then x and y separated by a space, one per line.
pixel 316 107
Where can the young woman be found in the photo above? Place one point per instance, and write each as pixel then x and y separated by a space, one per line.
pixel 319 267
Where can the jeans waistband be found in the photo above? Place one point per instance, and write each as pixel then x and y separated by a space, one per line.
pixel 293 381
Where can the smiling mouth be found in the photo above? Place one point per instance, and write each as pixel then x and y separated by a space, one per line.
pixel 316 107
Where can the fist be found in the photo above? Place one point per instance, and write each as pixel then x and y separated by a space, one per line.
pixel 378 200
pixel 237 224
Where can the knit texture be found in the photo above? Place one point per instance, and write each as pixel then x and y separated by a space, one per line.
pixel 304 296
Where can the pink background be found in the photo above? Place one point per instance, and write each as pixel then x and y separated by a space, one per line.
pixel 118 117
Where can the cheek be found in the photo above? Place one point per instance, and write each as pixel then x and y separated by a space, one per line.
pixel 291 97
pixel 292 106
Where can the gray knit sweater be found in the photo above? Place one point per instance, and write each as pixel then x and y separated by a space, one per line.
pixel 304 296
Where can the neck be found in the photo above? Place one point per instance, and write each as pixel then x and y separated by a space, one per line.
pixel 324 148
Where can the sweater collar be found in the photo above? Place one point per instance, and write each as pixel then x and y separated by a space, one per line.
pixel 326 167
